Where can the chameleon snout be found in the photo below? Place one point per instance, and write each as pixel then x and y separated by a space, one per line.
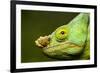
pixel 42 41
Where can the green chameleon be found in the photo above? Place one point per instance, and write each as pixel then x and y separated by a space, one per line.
pixel 70 41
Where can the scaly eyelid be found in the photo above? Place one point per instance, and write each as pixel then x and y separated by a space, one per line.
pixel 59 36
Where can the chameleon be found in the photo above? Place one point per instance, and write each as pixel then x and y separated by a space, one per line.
pixel 70 41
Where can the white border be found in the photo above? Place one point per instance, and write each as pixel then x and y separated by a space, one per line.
pixel 20 65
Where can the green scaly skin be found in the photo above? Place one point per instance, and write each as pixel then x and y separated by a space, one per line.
pixel 70 41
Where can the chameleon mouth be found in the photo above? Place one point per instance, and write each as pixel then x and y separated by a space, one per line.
pixel 64 44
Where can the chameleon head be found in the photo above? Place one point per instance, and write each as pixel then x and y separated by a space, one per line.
pixel 67 41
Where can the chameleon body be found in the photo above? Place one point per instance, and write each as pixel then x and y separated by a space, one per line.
pixel 69 41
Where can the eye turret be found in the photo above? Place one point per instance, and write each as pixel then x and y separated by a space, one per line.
pixel 61 34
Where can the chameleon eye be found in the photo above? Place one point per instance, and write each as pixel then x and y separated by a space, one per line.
pixel 61 34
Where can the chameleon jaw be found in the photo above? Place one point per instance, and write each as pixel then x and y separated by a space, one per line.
pixel 63 48
pixel 61 51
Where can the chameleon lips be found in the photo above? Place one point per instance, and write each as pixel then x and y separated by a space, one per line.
pixel 68 44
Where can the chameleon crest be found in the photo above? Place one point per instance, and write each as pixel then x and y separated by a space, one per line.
pixel 69 41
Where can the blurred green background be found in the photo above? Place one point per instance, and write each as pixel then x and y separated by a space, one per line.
pixel 39 23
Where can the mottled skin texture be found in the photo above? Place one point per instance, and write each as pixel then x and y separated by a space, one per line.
pixel 69 41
